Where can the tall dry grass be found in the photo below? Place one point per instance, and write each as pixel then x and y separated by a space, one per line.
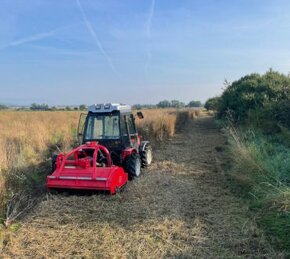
pixel 27 135
pixel 25 138
pixel 158 124
pixel 161 124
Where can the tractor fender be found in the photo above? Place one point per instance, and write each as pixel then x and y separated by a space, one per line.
pixel 127 152
pixel 143 145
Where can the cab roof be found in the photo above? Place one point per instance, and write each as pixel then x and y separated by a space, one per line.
pixel 109 107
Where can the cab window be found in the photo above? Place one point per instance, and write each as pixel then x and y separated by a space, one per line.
pixel 102 127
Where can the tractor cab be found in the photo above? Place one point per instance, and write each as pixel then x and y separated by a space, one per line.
pixel 113 126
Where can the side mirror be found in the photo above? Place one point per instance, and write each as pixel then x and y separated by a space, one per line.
pixel 140 115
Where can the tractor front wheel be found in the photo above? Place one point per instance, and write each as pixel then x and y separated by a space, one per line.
pixel 133 165
pixel 146 156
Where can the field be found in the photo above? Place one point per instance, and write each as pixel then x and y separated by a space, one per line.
pixel 27 140
pixel 182 206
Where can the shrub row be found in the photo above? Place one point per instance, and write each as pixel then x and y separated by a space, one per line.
pixel 259 108
pixel 260 100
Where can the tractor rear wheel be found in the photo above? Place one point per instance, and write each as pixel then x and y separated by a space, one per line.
pixel 133 165
pixel 146 156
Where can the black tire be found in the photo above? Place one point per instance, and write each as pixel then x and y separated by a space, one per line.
pixel 146 156
pixel 133 165
pixel 53 162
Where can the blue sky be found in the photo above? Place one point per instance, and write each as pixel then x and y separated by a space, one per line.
pixel 136 51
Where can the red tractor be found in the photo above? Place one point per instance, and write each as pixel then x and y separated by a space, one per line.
pixel 111 151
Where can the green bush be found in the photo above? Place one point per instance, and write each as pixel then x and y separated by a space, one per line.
pixel 194 104
pixel 262 98
pixel 212 104
pixel 281 112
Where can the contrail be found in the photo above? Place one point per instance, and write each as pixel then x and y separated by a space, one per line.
pixel 28 39
pixel 148 25
pixel 94 35
pixel 149 19
pixel 34 37
pixel 31 38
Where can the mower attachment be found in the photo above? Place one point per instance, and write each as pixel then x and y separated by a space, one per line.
pixel 87 167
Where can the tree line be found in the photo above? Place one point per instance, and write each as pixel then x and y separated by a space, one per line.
pixel 46 107
pixel 169 104
pixel 82 107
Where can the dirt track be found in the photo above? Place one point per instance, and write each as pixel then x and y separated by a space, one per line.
pixel 178 208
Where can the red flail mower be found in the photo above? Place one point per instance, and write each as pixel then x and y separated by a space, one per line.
pixel 111 152
pixel 89 167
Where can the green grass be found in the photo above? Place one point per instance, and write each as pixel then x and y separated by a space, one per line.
pixel 260 173
pixel 277 227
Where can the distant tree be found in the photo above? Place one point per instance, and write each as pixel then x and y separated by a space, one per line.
pixel 76 108
pixel 174 104
pixel 68 108
pixel 164 104
pixel 168 104
pixel 3 107
pixel 143 106
pixel 82 107
pixel 212 103
pixel 177 104
pixel 34 106
pixel 194 104
pixel 53 108
pixel 137 106
pixel 39 107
